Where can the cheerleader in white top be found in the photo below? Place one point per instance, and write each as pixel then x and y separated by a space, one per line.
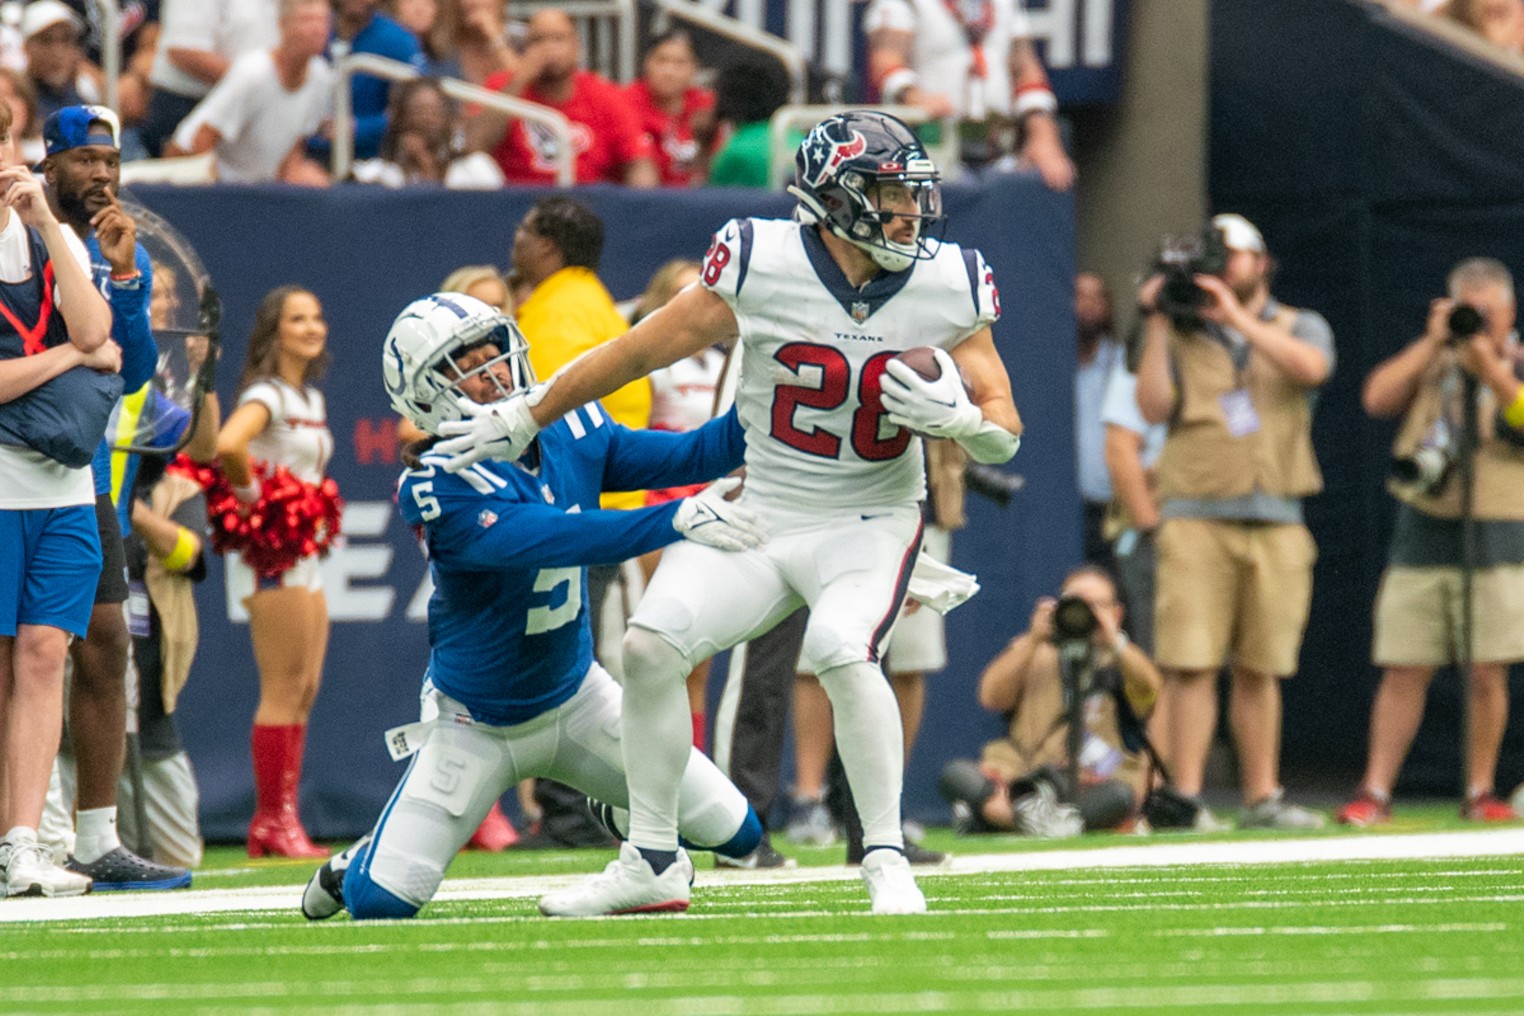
pixel 281 419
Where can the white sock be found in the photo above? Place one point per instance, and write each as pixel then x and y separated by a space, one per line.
pixel 656 733
pixel 96 837
pixel 21 834
pixel 872 748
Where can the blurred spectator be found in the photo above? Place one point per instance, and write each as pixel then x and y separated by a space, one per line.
pixel 1500 22
pixel 138 31
pixel 1020 777
pixel 1132 448
pixel 165 558
pixel 358 28
pixel 676 115
pixel 55 57
pixel 422 144
pixel 609 145
pixel 198 41
pixel 1097 354
pixel 747 94
pixel 972 61
pixel 1419 605
pixel 470 40
pixel 417 16
pixel 26 127
pixel 1236 380
pixel 260 114
pixel 484 282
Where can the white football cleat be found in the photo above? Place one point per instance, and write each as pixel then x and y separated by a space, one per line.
pixel 891 886
pixel 30 871
pixel 626 886
pixel 324 895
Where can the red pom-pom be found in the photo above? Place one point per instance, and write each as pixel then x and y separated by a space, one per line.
pixel 291 519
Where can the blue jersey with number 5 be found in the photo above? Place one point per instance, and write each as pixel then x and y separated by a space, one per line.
pixel 509 547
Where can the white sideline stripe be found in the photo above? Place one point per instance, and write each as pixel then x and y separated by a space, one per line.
pixel 1366 847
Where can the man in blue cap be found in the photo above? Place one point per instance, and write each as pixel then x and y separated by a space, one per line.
pixel 83 173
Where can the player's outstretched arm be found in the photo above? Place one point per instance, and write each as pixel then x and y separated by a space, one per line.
pixel 690 322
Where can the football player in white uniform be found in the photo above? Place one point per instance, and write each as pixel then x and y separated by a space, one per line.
pixel 823 304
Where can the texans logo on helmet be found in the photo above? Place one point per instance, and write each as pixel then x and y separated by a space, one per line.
pixel 826 154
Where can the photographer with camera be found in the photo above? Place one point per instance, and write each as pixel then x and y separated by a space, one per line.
pixel 1234 374
pixel 1020 778
pixel 1468 344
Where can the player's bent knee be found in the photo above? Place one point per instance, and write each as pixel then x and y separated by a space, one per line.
pixel 826 648
pixel 367 901
pixel 746 838
pixel 649 656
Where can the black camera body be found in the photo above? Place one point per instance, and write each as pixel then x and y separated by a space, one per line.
pixel 1180 260
pixel 1073 621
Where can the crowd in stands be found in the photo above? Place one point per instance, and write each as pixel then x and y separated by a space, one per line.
pixel 249 85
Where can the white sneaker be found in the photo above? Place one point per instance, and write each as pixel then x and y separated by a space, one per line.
pixel 324 895
pixel 891 886
pixel 30 871
pixel 626 886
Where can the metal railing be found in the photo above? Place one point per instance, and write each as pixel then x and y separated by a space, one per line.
pixel 618 59
pixel 946 154
pixel 787 53
pixel 395 70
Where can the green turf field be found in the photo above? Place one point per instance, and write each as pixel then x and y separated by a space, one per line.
pixel 1168 924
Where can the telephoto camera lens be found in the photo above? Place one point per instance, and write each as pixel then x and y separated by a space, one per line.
pixel 1073 620
pixel 1465 321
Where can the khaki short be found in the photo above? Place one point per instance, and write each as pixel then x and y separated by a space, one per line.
pixel 1418 616
pixel 1234 592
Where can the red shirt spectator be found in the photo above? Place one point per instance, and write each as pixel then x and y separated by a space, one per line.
pixel 675 115
pixel 605 133
pixel 671 135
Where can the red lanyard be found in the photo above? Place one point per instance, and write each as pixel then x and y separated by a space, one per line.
pixel 31 338
pixel 976 18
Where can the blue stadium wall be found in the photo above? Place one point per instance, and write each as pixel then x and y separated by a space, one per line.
pixel 366 253
pixel 1374 157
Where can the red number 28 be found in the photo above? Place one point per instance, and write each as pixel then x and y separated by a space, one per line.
pixel 832 391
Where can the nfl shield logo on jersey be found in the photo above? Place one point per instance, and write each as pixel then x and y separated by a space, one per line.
pixel 859 312
pixel 487 518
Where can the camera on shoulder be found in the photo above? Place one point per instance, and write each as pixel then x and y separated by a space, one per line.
pixel 1180 259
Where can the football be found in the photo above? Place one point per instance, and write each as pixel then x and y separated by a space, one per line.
pixel 923 360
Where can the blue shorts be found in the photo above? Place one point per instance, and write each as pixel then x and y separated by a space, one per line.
pixel 50 562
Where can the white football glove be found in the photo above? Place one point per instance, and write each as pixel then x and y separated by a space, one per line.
pixel 708 518
pixel 496 430
pixel 939 408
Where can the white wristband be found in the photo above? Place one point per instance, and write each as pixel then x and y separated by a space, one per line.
pixel 990 444
pixel 897 81
pixel 1033 100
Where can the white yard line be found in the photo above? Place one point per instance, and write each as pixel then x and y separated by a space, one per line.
pixel 1154 854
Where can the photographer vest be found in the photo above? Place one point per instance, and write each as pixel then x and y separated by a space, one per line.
pixel 1499 489
pixel 1202 457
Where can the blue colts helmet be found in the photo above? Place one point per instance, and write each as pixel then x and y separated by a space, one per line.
pixel 845 173
pixel 421 357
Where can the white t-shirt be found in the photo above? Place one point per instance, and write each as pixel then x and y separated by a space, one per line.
pixel 682 394
pixel 30 479
pixel 297 436
pixel 942 57
pixel 259 121
pixel 229 28
pixel 1119 407
pixel 812 351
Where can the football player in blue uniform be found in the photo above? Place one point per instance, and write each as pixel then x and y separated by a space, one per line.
pixel 512 689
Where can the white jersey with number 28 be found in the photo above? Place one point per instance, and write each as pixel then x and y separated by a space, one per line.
pixel 813 349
